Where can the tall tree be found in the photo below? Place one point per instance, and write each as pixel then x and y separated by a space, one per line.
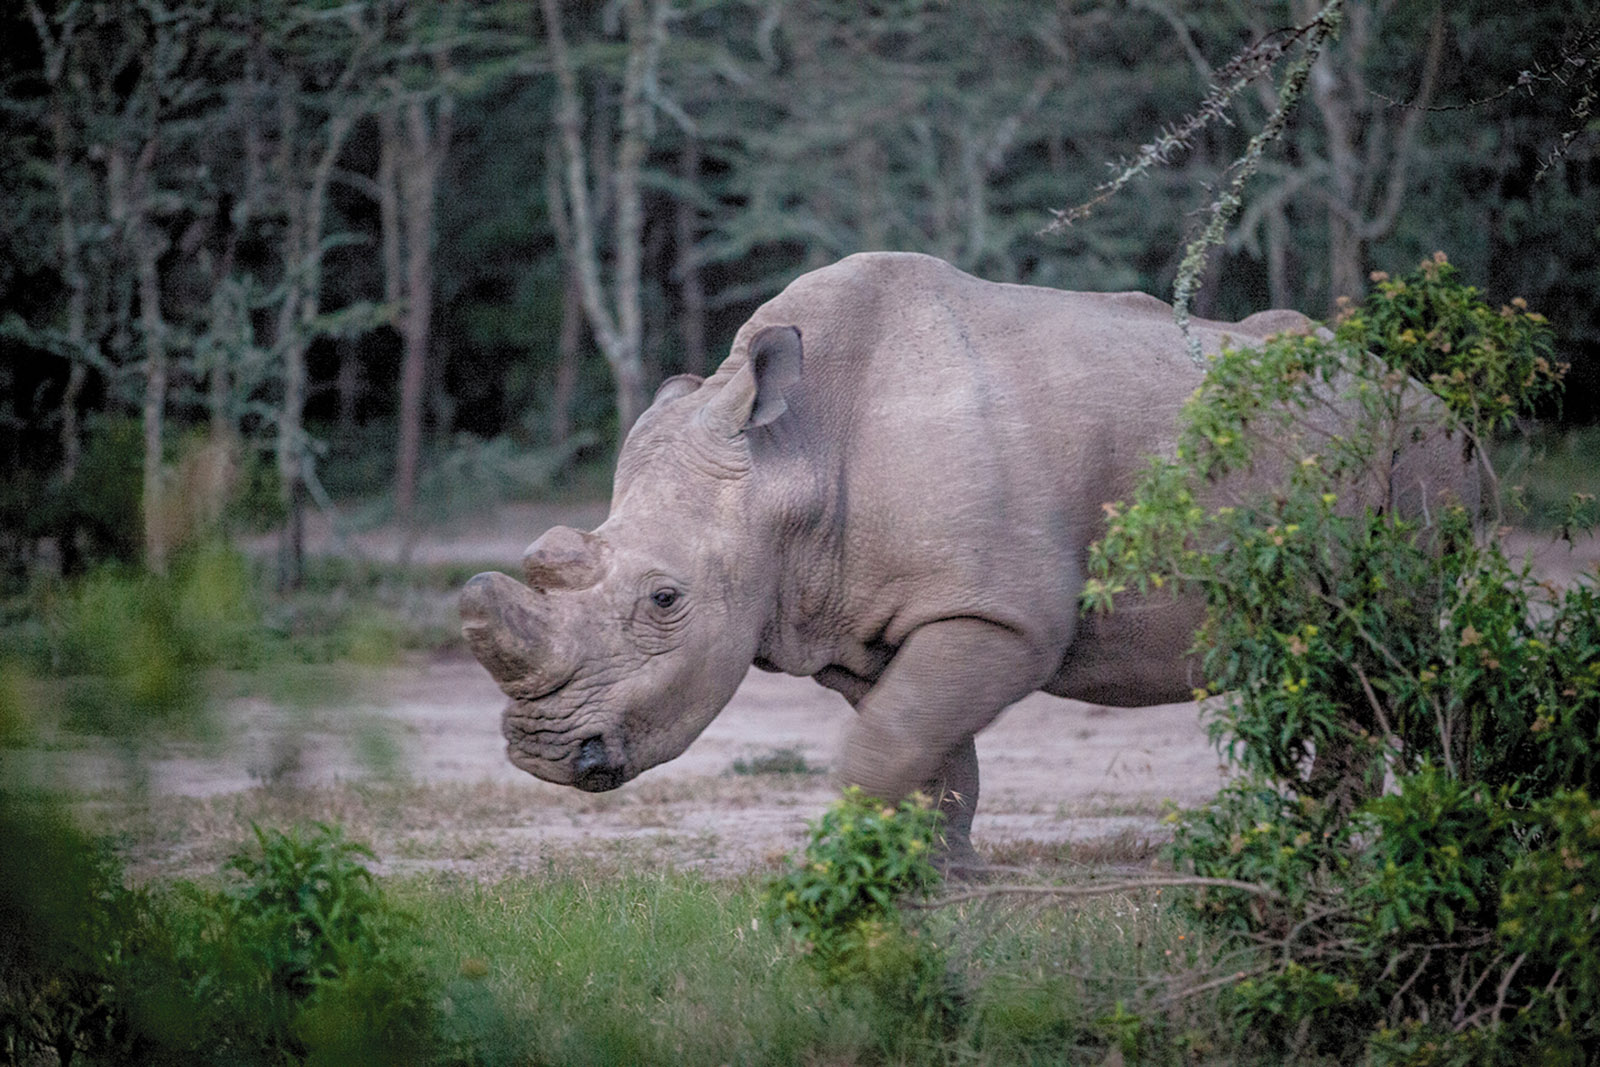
pixel 315 114
pixel 614 306
pixel 123 75
pixel 417 136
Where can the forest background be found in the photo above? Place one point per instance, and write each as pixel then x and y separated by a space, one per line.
pixel 263 256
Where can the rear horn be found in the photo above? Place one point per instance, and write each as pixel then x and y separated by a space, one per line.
pixel 564 558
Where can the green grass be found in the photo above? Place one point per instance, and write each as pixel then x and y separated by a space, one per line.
pixel 589 968
pixel 584 966
pixel 776 761
pixel 1549 468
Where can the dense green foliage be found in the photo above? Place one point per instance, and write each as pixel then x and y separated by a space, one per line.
pixel 841 903
pixel 1416 717
pixel 157 279
pixel 300 959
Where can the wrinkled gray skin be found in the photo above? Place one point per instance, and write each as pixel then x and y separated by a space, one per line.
pixel 889 486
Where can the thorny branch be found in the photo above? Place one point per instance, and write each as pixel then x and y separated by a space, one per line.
pixel 1578 63
pixel 1253 63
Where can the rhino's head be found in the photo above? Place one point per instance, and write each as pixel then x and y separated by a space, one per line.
pixel 627 641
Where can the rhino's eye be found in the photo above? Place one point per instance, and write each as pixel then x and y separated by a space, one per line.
pixel 664 598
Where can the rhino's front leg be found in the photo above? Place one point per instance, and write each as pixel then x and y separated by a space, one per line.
pixel 956 786
pixel 915 726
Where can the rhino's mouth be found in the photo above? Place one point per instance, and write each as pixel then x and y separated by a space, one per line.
pixel 541 752
pixel 594 771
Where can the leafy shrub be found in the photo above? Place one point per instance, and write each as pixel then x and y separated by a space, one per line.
pixel 314 945
pixel 302 961
pixel 840 904
pixel 1417 718
pixel 55 912
pixel 135 644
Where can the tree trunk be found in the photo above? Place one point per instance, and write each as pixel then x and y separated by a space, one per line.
pixel 615 318
pixel 77 299
pixel 305 202
pixel 147 249
pixel 691 286
pixel 347 385
pixel 157 522
pixel 424 150
pixel 1278 289
pixel 389 150
pixel 56 48
pixel 568 352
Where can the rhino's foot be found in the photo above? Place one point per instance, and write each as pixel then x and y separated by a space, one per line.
pixel 958 861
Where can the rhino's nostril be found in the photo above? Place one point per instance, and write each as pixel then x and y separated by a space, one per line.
pixel 593 770
pixel 591 754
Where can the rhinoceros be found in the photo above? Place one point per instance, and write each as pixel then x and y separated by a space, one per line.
pixel 889 486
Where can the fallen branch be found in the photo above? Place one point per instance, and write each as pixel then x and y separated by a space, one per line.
pixel 1100 889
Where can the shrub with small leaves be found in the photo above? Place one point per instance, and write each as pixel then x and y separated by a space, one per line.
pixel 863 855
pixel 317 955
pixel 1416 717
pixel 840 903
pixel 1489 365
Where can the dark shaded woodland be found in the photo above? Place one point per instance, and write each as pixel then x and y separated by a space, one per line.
pixel 261 255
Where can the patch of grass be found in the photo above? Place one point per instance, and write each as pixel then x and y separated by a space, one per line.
pixel 776 761
pixel 581 964
pixel 583 967
pixel 1549 468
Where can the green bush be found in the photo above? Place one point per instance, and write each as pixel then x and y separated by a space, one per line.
pixel 302 960
pixel 840 903
pixel 317 955
pixel 135 645
pixel 1416 718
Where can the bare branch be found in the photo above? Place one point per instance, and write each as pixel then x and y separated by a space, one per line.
pixel 1317 33
pixel 1100 889
pixel 1389 214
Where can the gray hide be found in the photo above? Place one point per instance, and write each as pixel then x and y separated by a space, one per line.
pixel 889 486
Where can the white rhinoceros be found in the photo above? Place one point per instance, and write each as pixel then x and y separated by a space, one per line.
pixel 889 486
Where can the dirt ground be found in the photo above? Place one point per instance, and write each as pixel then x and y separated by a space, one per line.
pixel 1053 771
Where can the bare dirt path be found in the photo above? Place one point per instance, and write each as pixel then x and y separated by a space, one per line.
pixel 411 759
pixel 1055 772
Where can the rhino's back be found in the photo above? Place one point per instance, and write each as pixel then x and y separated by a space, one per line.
pixel 969 432
pixel 908 342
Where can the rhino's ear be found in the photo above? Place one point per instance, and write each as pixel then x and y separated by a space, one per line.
pixel 676 386
pixel 754 396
